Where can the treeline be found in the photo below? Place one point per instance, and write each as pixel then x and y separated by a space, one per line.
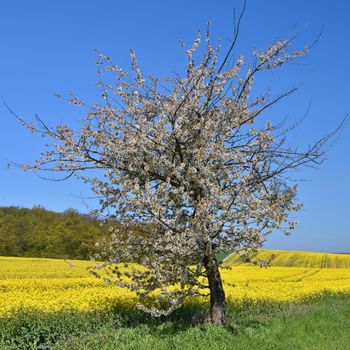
pixel 38 232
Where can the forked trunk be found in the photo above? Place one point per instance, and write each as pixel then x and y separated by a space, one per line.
pixel 217 294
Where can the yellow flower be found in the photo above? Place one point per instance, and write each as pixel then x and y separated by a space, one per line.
pixel 52 285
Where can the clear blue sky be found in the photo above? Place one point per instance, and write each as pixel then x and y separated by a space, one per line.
pixel 46 48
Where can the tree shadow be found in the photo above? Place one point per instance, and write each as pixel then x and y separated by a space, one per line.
pixel 189 315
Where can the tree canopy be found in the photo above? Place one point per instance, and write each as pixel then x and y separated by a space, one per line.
pixel 38 232
pixel 194 156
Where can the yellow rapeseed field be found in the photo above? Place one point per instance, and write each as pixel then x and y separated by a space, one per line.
pixel 52 285
pixel 297 259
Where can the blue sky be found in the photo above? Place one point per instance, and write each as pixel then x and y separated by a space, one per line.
pixel 47 48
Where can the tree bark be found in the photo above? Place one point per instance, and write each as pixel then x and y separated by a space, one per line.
pixel 217 293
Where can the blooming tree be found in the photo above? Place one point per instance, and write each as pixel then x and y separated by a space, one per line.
pixel 190 157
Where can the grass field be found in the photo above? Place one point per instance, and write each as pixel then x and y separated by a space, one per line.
pixel 49 303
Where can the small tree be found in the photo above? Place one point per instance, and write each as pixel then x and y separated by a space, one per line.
pixel 193 157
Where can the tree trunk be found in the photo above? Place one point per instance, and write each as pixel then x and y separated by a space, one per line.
pixel 217 294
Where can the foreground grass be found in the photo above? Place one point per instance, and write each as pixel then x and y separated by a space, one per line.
pixel 316 323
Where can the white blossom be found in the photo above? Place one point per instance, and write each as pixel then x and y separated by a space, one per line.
pixel 189 162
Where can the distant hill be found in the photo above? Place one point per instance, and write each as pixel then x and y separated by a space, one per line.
pixel 38 232
pixel 286 258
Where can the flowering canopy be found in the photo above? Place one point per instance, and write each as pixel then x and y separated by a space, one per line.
pixel 190 157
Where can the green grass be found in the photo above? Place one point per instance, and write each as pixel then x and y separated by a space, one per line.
pixel 317 323
pixel 286 258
